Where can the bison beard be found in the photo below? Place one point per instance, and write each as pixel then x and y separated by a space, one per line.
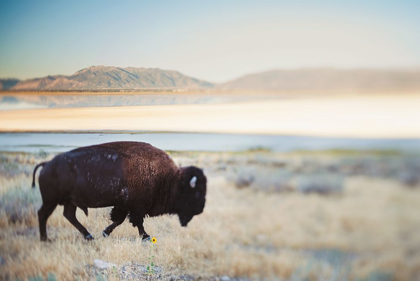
pixel 135 178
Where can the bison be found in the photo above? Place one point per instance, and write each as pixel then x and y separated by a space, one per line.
pixel 135 178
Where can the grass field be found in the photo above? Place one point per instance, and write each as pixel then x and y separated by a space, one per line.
pixel 296 216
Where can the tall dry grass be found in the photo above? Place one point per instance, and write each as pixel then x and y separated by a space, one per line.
pixel 369 230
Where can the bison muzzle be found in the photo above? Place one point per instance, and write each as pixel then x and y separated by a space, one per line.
pixel 136 178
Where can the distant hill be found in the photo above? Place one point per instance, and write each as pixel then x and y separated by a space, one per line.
pixel 8 83
pixel 131 78
pixel 109 77
pixel 327 78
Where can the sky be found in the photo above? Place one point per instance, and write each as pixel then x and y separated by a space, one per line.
pixel 211 40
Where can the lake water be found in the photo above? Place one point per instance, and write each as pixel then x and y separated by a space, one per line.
pixel 59 142
pixel 18 102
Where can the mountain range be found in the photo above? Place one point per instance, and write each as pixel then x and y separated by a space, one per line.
pixel 8 83
pixel 327 79
pixel 110 77
pixel 131 78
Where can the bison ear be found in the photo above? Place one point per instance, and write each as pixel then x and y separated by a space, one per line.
pixel 193 181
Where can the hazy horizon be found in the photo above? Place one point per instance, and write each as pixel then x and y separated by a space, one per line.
pixel 215 41
pixel 414 68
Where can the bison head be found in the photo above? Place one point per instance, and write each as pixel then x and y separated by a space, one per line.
pixel 193 194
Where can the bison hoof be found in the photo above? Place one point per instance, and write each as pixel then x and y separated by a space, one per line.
pixel 105 234
pixel 89 237
pixel 146 239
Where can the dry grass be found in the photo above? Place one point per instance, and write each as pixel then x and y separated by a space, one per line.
pixel 369 230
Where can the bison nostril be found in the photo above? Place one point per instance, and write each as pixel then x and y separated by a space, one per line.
pixel 197 195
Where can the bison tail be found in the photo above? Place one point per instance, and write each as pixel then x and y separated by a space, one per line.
pixel 36 168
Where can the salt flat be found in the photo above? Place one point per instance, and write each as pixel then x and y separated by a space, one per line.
pixel 370 116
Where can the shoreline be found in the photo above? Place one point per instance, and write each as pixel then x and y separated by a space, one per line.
pixel 139 132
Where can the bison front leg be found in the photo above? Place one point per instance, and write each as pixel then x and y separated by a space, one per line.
pixel 118 216
pixel 70 214
pixel 137 220
pixel 143 233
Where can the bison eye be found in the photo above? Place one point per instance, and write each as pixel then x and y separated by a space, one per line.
pixel 197 194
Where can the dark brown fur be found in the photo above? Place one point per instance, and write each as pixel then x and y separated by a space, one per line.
pixel 134 177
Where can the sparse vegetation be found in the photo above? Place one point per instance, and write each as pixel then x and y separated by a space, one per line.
pixel 20 204
pixel 323 174
pixel 320 183
pixel 368 232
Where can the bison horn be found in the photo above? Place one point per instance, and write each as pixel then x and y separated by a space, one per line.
pixel 193 181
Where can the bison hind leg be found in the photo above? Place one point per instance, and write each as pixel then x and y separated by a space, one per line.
pixel 43 214
pixel 70 214
pixel 118 216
